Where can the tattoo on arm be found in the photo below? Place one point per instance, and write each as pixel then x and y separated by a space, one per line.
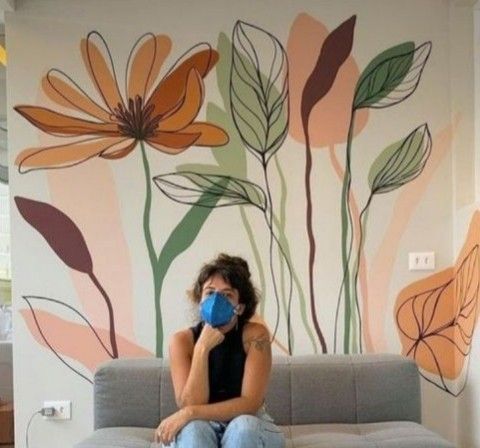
pixel 261 343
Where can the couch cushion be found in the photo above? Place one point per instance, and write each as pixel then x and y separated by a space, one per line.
pixel 364 435
pixel 124 437
pixel 322 390
pixel 386 389
pixel 335 435
pixel 127 393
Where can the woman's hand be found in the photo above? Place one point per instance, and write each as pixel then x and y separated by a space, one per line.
pixel 209 337
pixel 171 426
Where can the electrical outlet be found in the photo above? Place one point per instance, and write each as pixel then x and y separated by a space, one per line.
pixel 63 409
pixel 421 261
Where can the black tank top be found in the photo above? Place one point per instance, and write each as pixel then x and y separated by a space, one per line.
pixel 226 364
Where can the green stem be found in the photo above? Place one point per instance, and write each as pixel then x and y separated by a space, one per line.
pixel 280 225
pixel 269 219
pixel 157 286
pixel 355 302
pixel 298 284
pixel 347 238
pixel 256 254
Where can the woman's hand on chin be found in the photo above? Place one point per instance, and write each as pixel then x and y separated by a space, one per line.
pixel 210 337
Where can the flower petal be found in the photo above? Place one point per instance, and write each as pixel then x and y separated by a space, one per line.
pixel 61 89
pixel 210 135
pixel 191 104
pixel 63 125
pixel 99 63
pixel 120 150
pixel 144 63
pixel 62 156
pixel 173 142
pixel 171 88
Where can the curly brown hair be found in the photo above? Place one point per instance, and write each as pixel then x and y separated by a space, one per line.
pixel 234 271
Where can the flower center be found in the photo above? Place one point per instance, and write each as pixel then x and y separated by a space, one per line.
pixel 135 120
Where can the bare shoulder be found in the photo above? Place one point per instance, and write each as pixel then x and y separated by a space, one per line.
pixel 256 335
pixel 182 341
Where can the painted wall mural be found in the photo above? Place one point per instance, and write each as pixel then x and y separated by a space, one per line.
pixel 270 94
pixel 436 317
pixel 160 115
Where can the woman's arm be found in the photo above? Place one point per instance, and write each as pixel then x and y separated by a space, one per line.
pixel 254 386
pixel 255 380
pixel 189 365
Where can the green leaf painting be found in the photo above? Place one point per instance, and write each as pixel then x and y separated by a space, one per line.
pixel 215 191
pixel 259 89
pixel 392 76
pixel 400 162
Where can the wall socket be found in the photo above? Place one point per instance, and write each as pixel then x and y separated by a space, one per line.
pixel 421 261
pixel 63 409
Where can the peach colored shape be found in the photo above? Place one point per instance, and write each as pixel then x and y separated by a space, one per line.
pixel 330 118
pixel 77 341
pixel 86 193
pixel 441 311
pixel 383 262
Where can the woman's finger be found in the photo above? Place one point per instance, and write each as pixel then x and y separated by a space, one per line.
pixel 166 439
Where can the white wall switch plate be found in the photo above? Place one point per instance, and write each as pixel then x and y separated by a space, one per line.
pixel 421 261
pixel 63 409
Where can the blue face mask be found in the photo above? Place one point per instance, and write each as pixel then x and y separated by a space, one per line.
pixel 216 310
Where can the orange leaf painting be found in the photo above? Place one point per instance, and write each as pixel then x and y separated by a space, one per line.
pixel 436 316
pixel 62 337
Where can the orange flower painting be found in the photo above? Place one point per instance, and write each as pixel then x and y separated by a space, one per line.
pixel 162 114
pixel 436 317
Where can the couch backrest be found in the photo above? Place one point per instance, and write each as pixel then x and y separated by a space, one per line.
pixel 303 390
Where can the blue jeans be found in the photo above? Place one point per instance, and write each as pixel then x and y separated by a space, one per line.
pixel 244 431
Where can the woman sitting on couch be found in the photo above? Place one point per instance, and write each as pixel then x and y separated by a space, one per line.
pixel 221 367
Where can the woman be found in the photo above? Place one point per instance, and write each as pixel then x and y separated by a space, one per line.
pixel 220 368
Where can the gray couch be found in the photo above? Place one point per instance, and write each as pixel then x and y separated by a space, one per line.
pixel 334 401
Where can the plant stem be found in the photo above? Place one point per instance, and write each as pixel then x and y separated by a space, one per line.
pixel 311 238
pixel 151 252
pixel 280 226
pixel 256 254
pixel 363 217
pixel 301 295
pixel 113 337
pixel 269 219
pixel 347 239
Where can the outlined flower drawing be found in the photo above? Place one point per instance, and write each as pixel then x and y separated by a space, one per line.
pixel 162 115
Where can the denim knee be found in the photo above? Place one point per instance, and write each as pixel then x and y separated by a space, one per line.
pixel 197 433
pixel 248 431
pixel 242 432
pixel 244 424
